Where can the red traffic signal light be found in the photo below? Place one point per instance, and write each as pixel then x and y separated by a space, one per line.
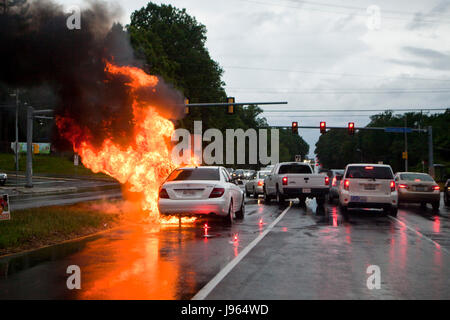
pixel 294 127
pixel 323 127
pixel 351 128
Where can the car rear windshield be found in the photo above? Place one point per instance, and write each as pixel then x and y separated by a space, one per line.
pixel 294 168
pixel 262 175
pixel 415 176
pixel 369 172
pixel 194 174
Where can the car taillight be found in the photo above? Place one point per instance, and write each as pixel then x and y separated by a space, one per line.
pixel 392 186
pixel 333 183
pixel 436 188
pixel 260 183
pixel 285 181
pixel 163 194
pixel 327 181
pixel 403 186
pixel 217 193
pixel 346 184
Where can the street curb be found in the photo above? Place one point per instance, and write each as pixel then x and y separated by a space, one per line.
pixel 65 191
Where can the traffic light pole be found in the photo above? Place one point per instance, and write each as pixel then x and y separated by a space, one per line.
pixel 430 151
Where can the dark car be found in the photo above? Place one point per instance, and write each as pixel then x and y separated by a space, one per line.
pixel 3 178
pixel 447 193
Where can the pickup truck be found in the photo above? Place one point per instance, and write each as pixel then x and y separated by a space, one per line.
pixel 289 180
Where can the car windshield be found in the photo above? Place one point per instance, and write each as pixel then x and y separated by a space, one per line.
pixel 262 175
pixel 294 168
pixel 369 172
pixel 415 177
pixel 194 174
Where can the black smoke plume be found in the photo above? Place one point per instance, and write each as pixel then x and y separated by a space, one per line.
pixel 37 48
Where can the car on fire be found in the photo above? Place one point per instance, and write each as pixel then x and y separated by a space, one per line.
pixel 416 187
pixel 201 191
pixel 368 186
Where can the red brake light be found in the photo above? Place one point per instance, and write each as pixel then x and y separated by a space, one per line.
pixel 217 193
pixel 403 186
pixel 392 186
pixel 260 183
pixel 368 168
pixel 285 181
pixel 333 183
pixel 417 180
pixel 436 188
pixel 346 184
pixel 327 181
pixel 163 194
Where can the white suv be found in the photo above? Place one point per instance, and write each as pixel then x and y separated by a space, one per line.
pixel 368 186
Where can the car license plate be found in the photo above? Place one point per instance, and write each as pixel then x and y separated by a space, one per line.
pixel 369 187
pixel 306 190
pixel 188 192
pixel 358 199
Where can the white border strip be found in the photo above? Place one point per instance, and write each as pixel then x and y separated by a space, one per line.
pixel 436 244
pixel 206 290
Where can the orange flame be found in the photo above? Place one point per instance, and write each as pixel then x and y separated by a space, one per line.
pixel 145 163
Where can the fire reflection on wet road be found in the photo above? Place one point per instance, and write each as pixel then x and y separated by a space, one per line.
pixel 306 255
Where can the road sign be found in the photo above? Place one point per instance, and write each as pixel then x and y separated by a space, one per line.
pixel 405 155
pixel 5 213
pixel 398 130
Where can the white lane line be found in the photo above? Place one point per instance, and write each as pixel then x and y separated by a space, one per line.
pixel 436 244
pixel 206 290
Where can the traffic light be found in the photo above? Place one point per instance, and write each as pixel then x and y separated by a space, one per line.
pixel 187 109
pixel 230 108
pixel 295 127
pixel 351 128
pixel 323 127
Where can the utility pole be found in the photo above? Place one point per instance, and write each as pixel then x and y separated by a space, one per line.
pixel 406 148
pixel 29 172
pixel 430 151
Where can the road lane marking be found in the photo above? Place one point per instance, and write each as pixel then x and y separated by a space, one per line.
pixel 206 290
pixel 436 244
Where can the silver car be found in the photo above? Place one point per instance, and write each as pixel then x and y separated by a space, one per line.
pixel 415 187
pixel 201 191
pixel 255 186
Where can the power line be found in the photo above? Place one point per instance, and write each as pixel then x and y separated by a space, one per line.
pixel 346 13
pixel 332 73
pixel 321 110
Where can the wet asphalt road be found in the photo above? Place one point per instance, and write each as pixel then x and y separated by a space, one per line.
pixel 305 256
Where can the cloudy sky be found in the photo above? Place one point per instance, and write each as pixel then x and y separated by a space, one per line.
pixel 326 54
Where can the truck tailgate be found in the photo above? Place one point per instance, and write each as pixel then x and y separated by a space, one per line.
pixel 305 181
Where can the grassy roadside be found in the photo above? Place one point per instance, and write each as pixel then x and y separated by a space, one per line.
pixel 46 164
pixel 34 228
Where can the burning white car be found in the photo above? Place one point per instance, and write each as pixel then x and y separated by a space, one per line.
pixel 201 190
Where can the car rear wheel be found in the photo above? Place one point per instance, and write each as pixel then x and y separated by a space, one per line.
pixel 266 197
pixel 343 209
pixel 247 193
pixel 228 219
pixel 255 195
pixel 280 197
pixel 392 211
pixel 447 203
pixel 241 213
pixel 302 202
pixel 435 205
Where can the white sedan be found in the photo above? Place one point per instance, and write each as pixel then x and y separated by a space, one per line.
pixel 201 190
